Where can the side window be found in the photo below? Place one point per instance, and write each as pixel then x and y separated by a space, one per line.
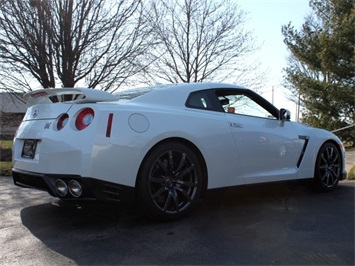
pixel 243 105
pixel 199 100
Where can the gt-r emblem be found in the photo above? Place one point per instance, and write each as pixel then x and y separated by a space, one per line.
pixel 47 126
pixel 35 113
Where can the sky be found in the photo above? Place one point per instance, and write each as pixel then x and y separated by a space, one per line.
pixel 265 19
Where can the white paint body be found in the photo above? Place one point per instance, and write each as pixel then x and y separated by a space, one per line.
pixel 237 149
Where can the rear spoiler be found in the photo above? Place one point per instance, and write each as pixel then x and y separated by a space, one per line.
pixel 74 95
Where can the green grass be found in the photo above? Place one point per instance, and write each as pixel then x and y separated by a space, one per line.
pixel 6 144
pixel 351 174
pixel 5 168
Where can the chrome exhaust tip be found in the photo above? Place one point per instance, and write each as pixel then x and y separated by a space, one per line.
pixel 75 188
pixel 61 188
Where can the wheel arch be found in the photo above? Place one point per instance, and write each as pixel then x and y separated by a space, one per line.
pixel 193 147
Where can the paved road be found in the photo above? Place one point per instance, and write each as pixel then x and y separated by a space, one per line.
pixel 273 224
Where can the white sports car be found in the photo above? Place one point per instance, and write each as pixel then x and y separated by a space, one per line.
pixel 166 145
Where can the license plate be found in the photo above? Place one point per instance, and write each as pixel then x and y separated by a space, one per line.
pixel 29 149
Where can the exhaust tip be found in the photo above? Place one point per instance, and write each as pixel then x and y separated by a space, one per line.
pixel 61 188
pixel 75 188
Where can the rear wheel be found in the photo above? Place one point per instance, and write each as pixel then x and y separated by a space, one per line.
pixel 328 167
pixel 170 181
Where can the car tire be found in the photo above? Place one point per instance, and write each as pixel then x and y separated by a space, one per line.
pixel 328 167
pixel 170 181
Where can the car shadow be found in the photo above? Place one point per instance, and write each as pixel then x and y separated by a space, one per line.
pixel 227 227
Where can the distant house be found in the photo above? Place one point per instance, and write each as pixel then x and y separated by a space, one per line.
pixel 12 110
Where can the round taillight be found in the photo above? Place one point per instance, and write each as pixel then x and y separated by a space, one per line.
pixel 62 121
pixel 84 118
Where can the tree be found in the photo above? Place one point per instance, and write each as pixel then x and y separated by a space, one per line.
pixel 321 66
pixel 95 43
pixel 198 40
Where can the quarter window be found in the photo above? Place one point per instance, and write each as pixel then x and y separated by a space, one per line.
pixel 199 100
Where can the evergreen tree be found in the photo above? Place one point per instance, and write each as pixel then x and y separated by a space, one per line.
pixel 321 66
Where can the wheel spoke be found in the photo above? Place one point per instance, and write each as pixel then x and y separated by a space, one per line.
pixel 175 198
pixel 324 160
pixel 326 182
pixel 172 195
pixel 185 183
pixel 335 159
pixel 158 193
pixel 182 162
pixel 187 196
pixel 162 166
pixel 324 166
pixel 332 179
pixel 158 180
pixel 171 160
pixel 167 202
pixel 324 177
pixel 333 173
pixel 185 172
pixel 330 153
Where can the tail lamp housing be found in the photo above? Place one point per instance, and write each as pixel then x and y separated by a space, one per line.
pixel 84 118
pixel 62 121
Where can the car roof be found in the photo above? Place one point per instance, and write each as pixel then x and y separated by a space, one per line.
pixel 176 94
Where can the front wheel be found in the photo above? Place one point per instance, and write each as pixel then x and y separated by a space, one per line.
pixel 170 181
pixel 328 167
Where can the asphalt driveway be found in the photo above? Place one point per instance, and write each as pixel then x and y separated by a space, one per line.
pixel 274 224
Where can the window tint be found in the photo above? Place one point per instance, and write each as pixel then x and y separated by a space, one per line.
pixel 242 104
pixel 199 100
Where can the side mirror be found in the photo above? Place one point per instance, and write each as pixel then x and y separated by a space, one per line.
pixel 285 115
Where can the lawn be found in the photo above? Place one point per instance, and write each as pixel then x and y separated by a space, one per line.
pixel 6 144
pixel 5 167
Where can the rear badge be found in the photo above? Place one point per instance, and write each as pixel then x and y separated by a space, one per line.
pixel 47 125
pixel 35 113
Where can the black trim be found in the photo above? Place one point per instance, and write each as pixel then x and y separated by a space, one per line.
pixel 306 139
pixel 93 189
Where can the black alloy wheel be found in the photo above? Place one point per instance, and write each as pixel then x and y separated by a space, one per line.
pixel 328 167
pixel 170 181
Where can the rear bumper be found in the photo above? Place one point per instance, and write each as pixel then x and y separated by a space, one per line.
pixel 93 189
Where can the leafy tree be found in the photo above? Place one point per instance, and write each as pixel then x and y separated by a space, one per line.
pixel 320 70
pixel 198 40
pixel 95 43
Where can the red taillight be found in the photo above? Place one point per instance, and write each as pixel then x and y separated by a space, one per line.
pixel 62 121
pixel 84 118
